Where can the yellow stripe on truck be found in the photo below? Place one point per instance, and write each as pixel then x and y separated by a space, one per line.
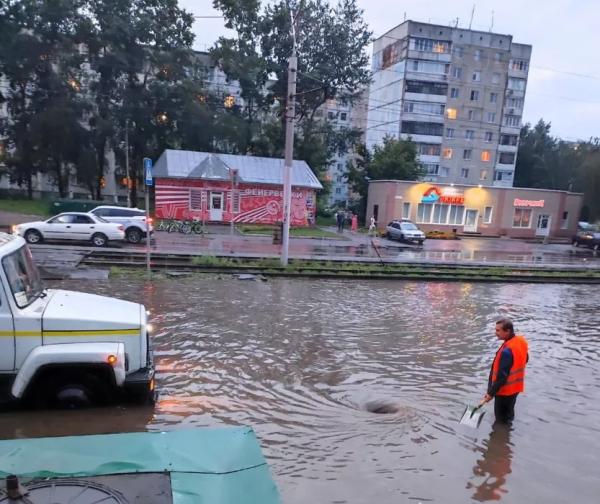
pixel 66 334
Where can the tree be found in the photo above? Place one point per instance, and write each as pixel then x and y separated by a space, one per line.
pixel 394 160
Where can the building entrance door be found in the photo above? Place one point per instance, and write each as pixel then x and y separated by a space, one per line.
pixel 543 225
pixel 216 206
pixel 471 221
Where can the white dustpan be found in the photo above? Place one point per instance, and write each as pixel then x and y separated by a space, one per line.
pixel 472 416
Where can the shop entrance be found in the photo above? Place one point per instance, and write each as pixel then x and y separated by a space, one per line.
pixel 471 221
pixel 543 225
pixel 216 206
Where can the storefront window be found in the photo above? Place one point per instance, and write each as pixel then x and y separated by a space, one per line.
pixel 424 213
pixel 487 215
pixel 406 210
pixel 440 214
pixel 522 218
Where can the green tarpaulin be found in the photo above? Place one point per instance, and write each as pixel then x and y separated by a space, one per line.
pixel 218 466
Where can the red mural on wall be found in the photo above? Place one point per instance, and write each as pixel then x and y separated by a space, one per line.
pixel 211 201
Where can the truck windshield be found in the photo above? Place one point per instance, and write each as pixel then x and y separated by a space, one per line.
pixel 23 276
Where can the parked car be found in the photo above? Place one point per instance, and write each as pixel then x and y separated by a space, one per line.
pixel 60 347
pixel 133 219
pixel 589 237
pixel 405 230
pixel 72 226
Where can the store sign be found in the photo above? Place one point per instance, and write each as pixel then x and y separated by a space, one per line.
pixel 447 195
pixel 528 203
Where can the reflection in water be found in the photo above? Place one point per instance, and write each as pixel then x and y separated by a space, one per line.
pixel 494 465
pixel 355 388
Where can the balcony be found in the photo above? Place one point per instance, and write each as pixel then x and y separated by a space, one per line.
pixel 429 55
pixel 431 98
pixel 430 139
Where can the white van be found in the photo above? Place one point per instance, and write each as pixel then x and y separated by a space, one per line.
pixel 60 347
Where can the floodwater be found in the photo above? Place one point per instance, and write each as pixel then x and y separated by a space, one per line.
pixel 304 361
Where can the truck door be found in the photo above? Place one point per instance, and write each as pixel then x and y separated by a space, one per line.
pixel 7 334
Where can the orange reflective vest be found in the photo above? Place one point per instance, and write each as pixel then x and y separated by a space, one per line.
pixel 516 377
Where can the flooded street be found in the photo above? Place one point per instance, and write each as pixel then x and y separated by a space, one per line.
pixel 304 362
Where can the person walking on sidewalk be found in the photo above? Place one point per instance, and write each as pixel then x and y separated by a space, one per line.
pixel 354 227
pixel 507 376
pixel 373 227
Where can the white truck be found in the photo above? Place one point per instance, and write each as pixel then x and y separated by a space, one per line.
pixel 64 348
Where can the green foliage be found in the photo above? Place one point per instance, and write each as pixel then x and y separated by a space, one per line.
pixel 547 162
pixel 394 160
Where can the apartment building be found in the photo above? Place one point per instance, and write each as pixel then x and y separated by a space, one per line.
pixel 457 93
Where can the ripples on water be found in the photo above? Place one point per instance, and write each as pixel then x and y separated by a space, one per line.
pixel 303 362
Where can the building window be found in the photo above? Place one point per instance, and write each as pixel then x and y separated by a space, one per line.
pixel 564 222
pixel 440 214
pixel 456 215
pixel 483 174
pixel 502 175
pixel 196 199
pixel 497 57
pixel 467 154
pixel 451 113
pixel 339 178
pixel 444 171
pixel 512 121
pixel 486 156
pixel 422 87
pixel 474 95
pixel 469 134
pixel 422 128
pixel 338 190
pixel 330 115
pixel 406 210
pixel 343 116
pixel 431 168
pixel 509 139
pixel 236 202
pixel 487 215
pixel 522 218
pixel 495 78
pixel 506 158
pixel 447 153
pixel 454 92
pixel 491 117
pixel 474 115
pixel 516 84
pixel 457 72
pixel 449 132
pixel 464 173
pixel 516 103
pixel 519 65
pixel 458 51
pixel 488 136
pixel 429 149
pixel 477 55
pixel 423 108
pixel 429 45
pixel 424 211
pixel 493 97
pixel 430 67
pixel 476 76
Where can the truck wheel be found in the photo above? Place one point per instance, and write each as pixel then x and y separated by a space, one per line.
pixel 33 236
pixel 134 235
pixel 99 240
pixel 72 391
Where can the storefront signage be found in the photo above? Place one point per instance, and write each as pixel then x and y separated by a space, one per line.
pixel 447 195
pixel 528 203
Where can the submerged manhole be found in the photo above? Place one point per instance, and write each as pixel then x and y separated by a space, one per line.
pixel 68 491
pixel 382 407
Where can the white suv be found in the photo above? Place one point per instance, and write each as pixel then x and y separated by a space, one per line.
pixel 133 219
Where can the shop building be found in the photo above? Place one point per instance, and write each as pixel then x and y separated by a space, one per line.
pixel 487 211
pixel 223 187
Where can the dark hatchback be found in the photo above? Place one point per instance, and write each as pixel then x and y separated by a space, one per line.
pixel 589 237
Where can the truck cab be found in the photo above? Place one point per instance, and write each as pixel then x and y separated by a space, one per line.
pixel 65 348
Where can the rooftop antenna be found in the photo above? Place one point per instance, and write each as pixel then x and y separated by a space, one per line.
pixel 472 14
pixel 404 15
pixel 492 27
pixel 456 24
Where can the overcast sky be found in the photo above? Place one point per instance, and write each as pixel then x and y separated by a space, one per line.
pixel 564 78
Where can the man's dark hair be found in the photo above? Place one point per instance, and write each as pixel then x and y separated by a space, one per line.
pixel 507 325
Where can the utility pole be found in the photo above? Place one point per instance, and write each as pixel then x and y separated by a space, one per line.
pixel 290 113
pixel 127 163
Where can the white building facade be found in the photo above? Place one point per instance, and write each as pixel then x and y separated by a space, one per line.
pixel 458 94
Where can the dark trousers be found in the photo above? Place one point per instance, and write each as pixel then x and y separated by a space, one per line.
pixel 504 408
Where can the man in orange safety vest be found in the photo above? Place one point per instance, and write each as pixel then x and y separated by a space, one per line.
pixel 507 376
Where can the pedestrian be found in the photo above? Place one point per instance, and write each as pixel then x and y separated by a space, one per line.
pixel 338 220
pixel 372 227
pixel 342 215
pixel 507 376
pixel 354 223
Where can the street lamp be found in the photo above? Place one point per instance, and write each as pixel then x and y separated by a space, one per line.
pixel 229 101
pixel 162 118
